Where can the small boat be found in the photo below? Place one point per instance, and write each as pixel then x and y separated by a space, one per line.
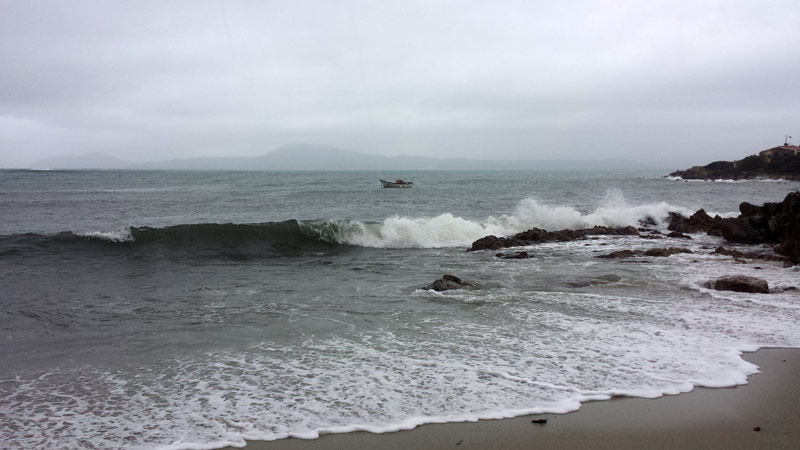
pixel 397 184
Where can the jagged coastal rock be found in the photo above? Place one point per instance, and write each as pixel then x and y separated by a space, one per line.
pixel 655 252
pixel 739 283
pixel 538 236
pixel 450 282
pixel 517 255
pixel 750 255
pixel 777 223
pixel 772 223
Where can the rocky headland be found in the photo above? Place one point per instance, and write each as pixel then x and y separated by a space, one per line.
pixel 770 164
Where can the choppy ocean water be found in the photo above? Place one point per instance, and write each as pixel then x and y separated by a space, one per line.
pixel 198 309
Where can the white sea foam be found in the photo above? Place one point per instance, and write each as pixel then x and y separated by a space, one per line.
pixel 447 230
pixel 121 235
pixel 532 351
pixel 444 230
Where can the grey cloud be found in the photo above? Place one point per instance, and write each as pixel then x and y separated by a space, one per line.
pixel 517 79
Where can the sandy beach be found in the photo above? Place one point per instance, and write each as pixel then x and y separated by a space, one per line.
pixel 763 414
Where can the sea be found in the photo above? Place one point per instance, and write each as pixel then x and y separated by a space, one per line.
pixel 197 310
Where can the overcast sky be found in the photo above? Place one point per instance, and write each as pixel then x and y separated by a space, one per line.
pixel 672 83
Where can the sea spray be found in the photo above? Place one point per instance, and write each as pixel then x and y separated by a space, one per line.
pixel 447 230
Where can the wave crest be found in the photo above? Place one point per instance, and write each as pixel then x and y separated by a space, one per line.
pixel 299 237
pixel 447 230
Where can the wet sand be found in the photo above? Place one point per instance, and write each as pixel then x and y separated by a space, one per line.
pixel 724 418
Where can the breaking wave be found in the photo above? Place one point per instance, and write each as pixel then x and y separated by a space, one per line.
pixel 299 237
pixel 447 230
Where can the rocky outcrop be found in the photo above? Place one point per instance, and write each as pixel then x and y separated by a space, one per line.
pixel 776 223
pixel 517 255
pixel 664 252
pixel 753 166
pixel 621 254
pixel 739 283
pixel 450 282
pixel 677 234
pixel 697 223
pixel 655 252
pixel 749 255
pixel 538 236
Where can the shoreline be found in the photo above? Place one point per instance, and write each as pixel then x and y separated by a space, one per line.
pixel 764 413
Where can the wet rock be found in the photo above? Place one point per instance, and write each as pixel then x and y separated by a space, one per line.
pixel 750 255
pixel 739 283
pixel 538 236
pixel 450 282
pixel 490 242
pixel 656 252
pixel 677 234
pixel 517 255
pixel 698 222
pixel 740 231
pixel 790 247
pixel 777 223
pixel 651 236
pixel 648 221
pixel 621 254
pixel 663 252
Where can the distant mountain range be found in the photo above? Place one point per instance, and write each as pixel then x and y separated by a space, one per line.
pixel 308 157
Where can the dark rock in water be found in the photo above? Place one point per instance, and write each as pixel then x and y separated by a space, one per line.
pixel 621 254
pixel 518 255
pixel 450 282
pixel 777 223
pixel 662 252
pixel 676 234
pixel 737 230
pixel 538 236
pixel 702 220
pixel 658 252
pixel 492 242
pixel 648 221
pixel 751 255
pixel 698 222
pixel 772 222
pixel 739 283
pixel 790 248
